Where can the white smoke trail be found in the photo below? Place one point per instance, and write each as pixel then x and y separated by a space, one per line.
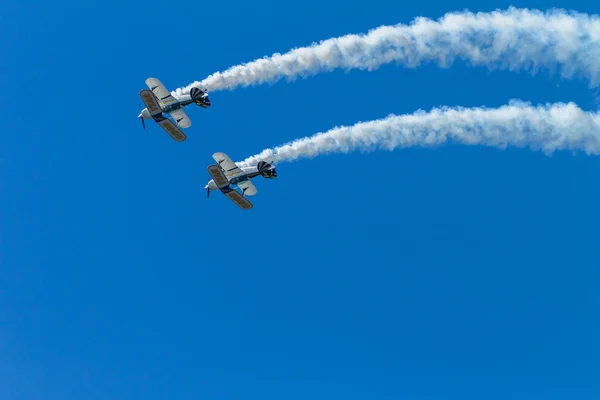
pixel 514 39
pixel 547 127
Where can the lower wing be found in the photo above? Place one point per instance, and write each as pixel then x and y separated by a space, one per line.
pixel 231 169
pixel 161 92
pixel 183 121
pixel 248 188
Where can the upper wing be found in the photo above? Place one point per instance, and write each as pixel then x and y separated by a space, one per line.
pixel 228 166
pixel 248 188
pixel 218 176
pixel 172 129
pixel 238 199
pixel 151 102
pixel 164 96
pixel 183 121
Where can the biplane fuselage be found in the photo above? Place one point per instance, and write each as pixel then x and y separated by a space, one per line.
pixel 227 175
pixel 159 101
pixel 180 103
pixel 246 174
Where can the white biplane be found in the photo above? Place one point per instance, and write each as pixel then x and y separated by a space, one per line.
pixel 225 174
pixel 159 101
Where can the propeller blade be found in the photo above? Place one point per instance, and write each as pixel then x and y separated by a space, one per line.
pixel 207 193
pixel 143 123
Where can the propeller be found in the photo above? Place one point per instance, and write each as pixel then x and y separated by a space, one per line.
pixel 208 188
pixel 141 117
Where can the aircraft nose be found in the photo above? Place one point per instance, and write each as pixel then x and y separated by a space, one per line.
pixel 211 185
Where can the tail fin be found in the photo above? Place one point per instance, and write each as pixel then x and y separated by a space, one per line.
pixel 266 170
pixel 200 97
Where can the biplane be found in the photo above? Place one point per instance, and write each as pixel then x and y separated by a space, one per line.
pixel 226 175
pixel 159 102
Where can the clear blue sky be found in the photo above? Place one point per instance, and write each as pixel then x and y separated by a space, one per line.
pixel 456 273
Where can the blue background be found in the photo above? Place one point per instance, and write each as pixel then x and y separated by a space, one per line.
pixel 456 273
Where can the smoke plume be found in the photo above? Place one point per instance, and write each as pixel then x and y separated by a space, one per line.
pixel 549 127
pixel 513 39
